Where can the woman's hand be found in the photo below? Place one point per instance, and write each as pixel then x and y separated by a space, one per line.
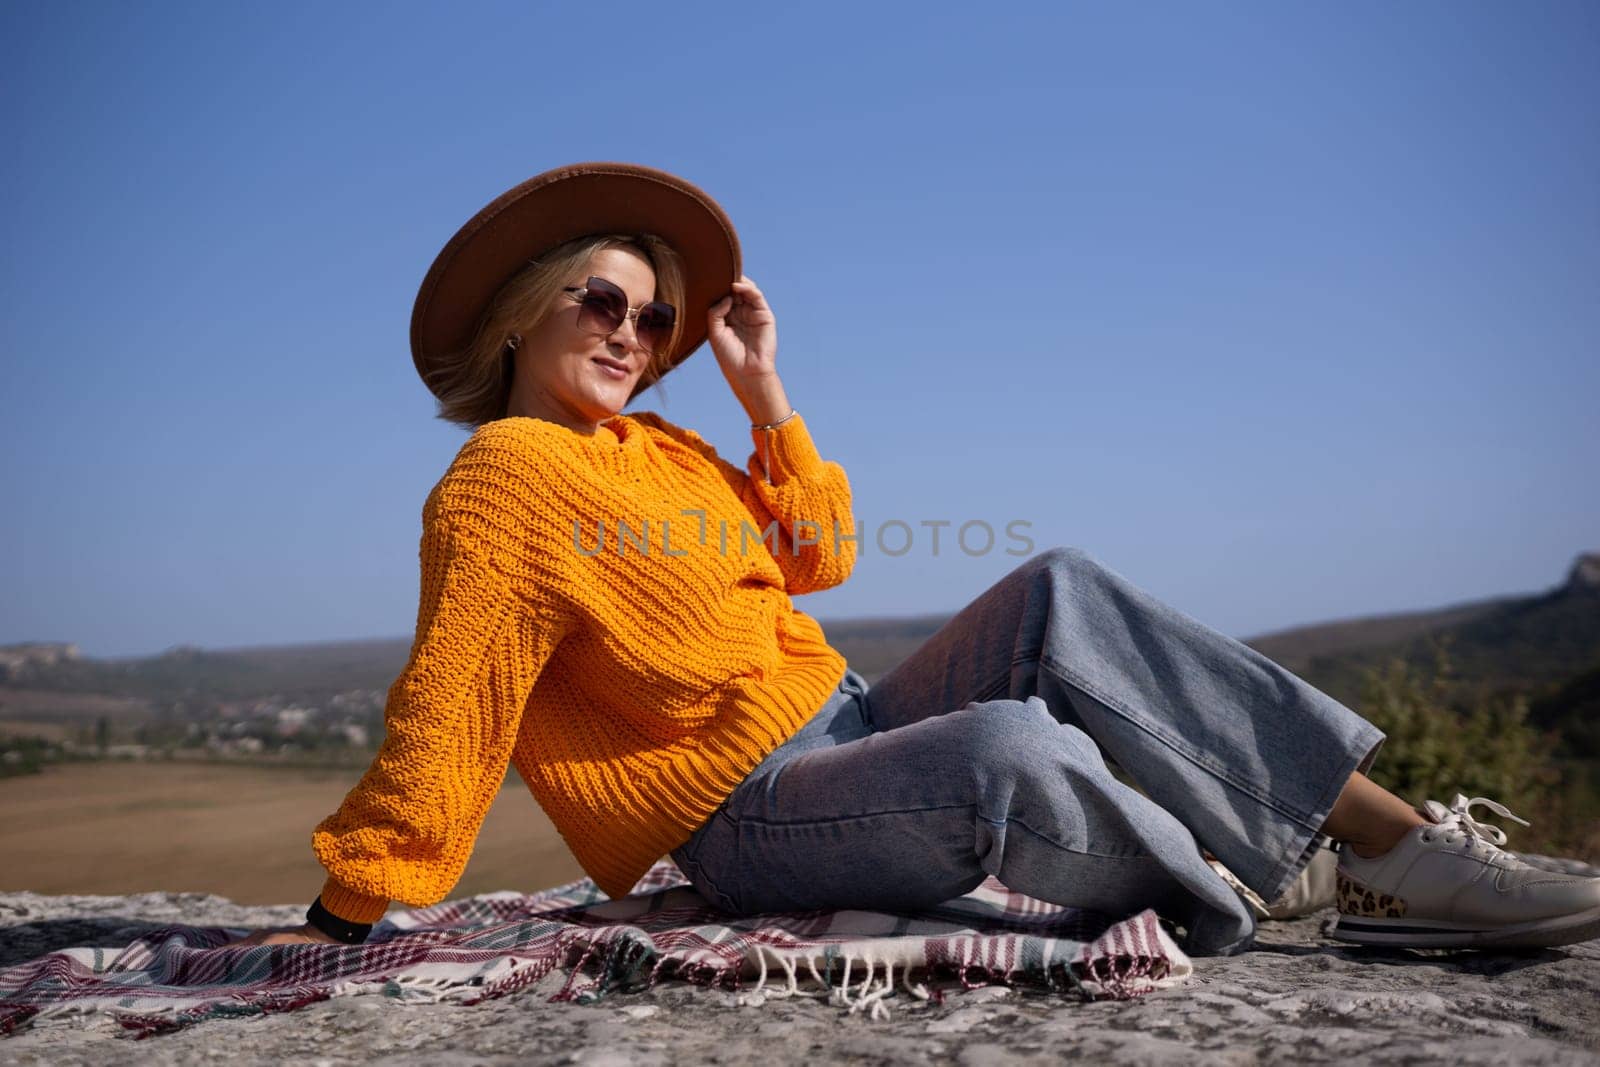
pixel 743 333
pixel 744 337
pixel 298 935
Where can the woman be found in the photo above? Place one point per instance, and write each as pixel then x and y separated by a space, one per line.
pixel 605 604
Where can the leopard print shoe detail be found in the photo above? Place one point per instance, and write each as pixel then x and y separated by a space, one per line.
pixel 1357 899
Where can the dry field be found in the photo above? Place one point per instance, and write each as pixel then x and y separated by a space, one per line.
pixel 241 832
pixel 48 706
pixel 47 731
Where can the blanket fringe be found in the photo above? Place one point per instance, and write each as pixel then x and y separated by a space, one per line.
pixel 145 1023
pixel 624 959
pixel 858 982
pixel 149 1024
pixel 628 964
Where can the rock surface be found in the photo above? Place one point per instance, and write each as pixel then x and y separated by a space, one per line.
pixel 1296 995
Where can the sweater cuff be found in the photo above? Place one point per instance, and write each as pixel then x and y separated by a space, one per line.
pixel 351 906
pixel 788 450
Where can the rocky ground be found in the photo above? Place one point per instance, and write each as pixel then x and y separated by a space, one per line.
pixel 1297 996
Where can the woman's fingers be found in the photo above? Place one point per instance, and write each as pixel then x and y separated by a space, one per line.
pixel 253 938
pixel 743 290
pixel 278 936
pixel 750 291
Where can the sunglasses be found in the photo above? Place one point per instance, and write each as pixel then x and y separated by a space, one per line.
pixel 602 307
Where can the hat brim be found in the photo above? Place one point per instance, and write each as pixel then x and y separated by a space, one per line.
pixel 557 206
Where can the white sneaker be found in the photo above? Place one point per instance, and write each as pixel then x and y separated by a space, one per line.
pixel 1311 891
pixel 1447 885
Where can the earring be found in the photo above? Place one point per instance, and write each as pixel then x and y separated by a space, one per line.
pixel 513 341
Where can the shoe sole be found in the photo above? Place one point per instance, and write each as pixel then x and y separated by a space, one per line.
pixel 1431 933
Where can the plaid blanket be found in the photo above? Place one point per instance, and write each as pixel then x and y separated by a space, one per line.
pixel 486 946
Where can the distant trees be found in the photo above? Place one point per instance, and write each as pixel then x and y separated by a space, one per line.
pixel 1439 745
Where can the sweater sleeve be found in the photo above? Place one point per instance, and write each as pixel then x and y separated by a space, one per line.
pixel 406 830
pixel 787 482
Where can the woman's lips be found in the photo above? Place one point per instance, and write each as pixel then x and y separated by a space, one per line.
pixel 611 369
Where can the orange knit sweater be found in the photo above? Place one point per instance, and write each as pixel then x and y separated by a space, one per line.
pixel 590 613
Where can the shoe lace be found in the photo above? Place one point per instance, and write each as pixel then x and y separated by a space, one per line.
pixel 1456 824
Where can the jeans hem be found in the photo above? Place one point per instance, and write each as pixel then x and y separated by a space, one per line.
pixel 1360 754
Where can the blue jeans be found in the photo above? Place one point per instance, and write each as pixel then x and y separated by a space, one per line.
pixel 983 753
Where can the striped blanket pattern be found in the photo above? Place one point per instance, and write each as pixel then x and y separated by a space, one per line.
pixel 476 948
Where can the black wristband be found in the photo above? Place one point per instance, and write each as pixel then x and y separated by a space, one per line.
pixel 338 929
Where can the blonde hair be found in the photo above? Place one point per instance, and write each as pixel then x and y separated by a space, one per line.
pixel 473 384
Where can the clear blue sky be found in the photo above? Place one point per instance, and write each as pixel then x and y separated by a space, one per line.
pixel 1287 312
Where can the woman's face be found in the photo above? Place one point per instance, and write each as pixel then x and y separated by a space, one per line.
pixel 567 375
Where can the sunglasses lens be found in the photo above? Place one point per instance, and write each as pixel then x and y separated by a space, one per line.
pixel 603 307
pixel 654 326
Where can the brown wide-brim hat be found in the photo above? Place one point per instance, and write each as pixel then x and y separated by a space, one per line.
pixel 556 206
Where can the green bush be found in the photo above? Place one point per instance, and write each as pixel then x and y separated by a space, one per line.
pixel 1440 744
pixel 22 755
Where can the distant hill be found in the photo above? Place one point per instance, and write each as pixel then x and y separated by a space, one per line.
pixel 874 646
pixel 1299 647
pixel 1544 645
pixel 295 672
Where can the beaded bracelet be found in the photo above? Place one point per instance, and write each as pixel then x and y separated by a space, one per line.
pixel 338 929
